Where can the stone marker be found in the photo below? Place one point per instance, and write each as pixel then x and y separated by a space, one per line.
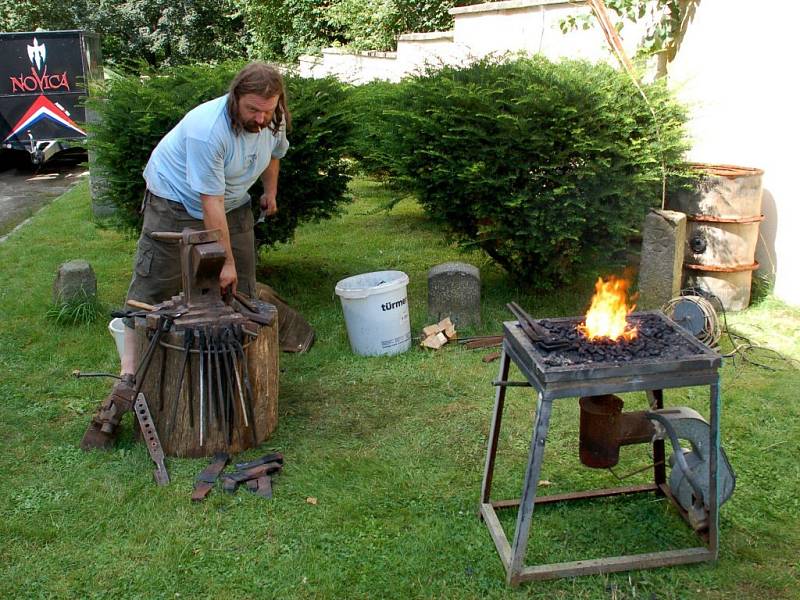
pixel 661 264
pixel 454 290
pixel 75 281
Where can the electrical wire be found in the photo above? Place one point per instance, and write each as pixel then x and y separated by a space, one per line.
pixel 743 347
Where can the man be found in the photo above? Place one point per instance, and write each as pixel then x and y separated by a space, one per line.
pixel 198 177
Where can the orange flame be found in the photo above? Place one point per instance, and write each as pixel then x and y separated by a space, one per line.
pixel 607 314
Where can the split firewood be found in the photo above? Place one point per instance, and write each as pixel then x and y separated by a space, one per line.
pixel 437 335
pixel 430 330
pixel 434 342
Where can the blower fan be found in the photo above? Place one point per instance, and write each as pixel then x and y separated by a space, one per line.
pixel 696 315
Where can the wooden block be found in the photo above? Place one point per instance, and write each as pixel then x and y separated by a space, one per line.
pixel 435 341
pixel 445 323
pixel 450 332
pixel 430 330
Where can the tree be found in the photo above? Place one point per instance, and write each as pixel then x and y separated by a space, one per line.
pixel 155 32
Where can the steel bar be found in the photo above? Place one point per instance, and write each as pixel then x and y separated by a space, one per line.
pixel 150 435
pixel 190 345
pixel 209 380
pixel 496 531
pixel 494 428
pixel 535 458
pixel 246 376
pixel 613 564
pixel 656 399
pixel 219 404
pixel 201 359
pixel 225 356
pixel 584 495
pixel 713 508
pixel 182 374
pixel 239 386
pixel 504 383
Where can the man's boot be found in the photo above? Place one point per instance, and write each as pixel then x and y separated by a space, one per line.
pixel 102 431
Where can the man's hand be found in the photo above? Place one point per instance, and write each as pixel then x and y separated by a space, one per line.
pixel 228 278
pixel 269 178
pixel 214 218
pixel 268 204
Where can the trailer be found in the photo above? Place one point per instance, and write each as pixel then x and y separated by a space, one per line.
pixel 44 78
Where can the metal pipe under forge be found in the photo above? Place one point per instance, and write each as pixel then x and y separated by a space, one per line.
pixel 604 428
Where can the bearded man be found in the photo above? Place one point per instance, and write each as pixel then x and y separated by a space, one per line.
pixel 198 176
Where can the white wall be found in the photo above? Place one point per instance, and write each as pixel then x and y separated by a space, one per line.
pixel 737 67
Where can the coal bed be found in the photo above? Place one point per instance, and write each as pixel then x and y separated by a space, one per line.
pixel 656 337
pixel 662 349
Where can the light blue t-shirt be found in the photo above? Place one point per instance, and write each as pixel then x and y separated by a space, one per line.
pixel 202 155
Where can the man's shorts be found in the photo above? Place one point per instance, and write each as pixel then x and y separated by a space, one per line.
pixel 157 265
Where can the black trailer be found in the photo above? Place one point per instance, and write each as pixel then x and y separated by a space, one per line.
pixel 43 81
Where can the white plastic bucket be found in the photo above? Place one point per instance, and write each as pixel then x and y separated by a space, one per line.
pixel 375 309
pixel 117 329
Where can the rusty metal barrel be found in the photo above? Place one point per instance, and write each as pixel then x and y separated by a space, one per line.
pixel 723 214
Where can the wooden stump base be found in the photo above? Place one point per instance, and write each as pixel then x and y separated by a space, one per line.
pixel 169 406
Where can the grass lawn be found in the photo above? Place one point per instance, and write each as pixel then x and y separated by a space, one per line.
pixel 392 448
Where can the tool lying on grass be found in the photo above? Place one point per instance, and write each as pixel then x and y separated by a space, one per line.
pixel 256 475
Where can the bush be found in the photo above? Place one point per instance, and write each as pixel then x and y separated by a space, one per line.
pixel 135 113
pixel 541 164
pixel 373 144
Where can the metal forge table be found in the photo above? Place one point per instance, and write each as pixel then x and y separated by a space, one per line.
pixel 652 375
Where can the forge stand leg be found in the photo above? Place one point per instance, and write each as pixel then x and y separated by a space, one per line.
pixel 525 514
pixel 656 398
pixel 713 470
pixel 494 429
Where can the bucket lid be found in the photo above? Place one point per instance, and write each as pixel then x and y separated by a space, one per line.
pixel 369 284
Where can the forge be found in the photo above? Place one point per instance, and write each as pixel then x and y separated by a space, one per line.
pixel 559 361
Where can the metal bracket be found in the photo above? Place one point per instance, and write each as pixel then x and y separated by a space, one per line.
pixel 150 434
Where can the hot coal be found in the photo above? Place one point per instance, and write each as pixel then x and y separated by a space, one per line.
pixel 657 338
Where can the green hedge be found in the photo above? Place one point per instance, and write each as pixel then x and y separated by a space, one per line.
pixel 135 112
pixel 541 164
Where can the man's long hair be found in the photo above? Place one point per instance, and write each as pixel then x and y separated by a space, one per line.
pixel 263 80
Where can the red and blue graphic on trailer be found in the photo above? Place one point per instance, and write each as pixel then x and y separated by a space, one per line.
pixel 43 77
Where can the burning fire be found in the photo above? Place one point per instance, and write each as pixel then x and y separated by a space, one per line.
pixel 607 314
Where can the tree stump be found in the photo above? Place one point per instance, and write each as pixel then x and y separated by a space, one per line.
pixel 169 405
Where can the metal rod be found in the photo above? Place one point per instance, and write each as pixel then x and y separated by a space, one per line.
pixel 202 359
pixel 188 348
pixel 494 429
pixel 80 374
pixel 235 360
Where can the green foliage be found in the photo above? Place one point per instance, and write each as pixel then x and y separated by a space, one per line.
pixel 135 113
pixel 664 21
pixel 541 164
pixel 81 309
pixel 285 29
pixel 155 32
pixel 371 145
